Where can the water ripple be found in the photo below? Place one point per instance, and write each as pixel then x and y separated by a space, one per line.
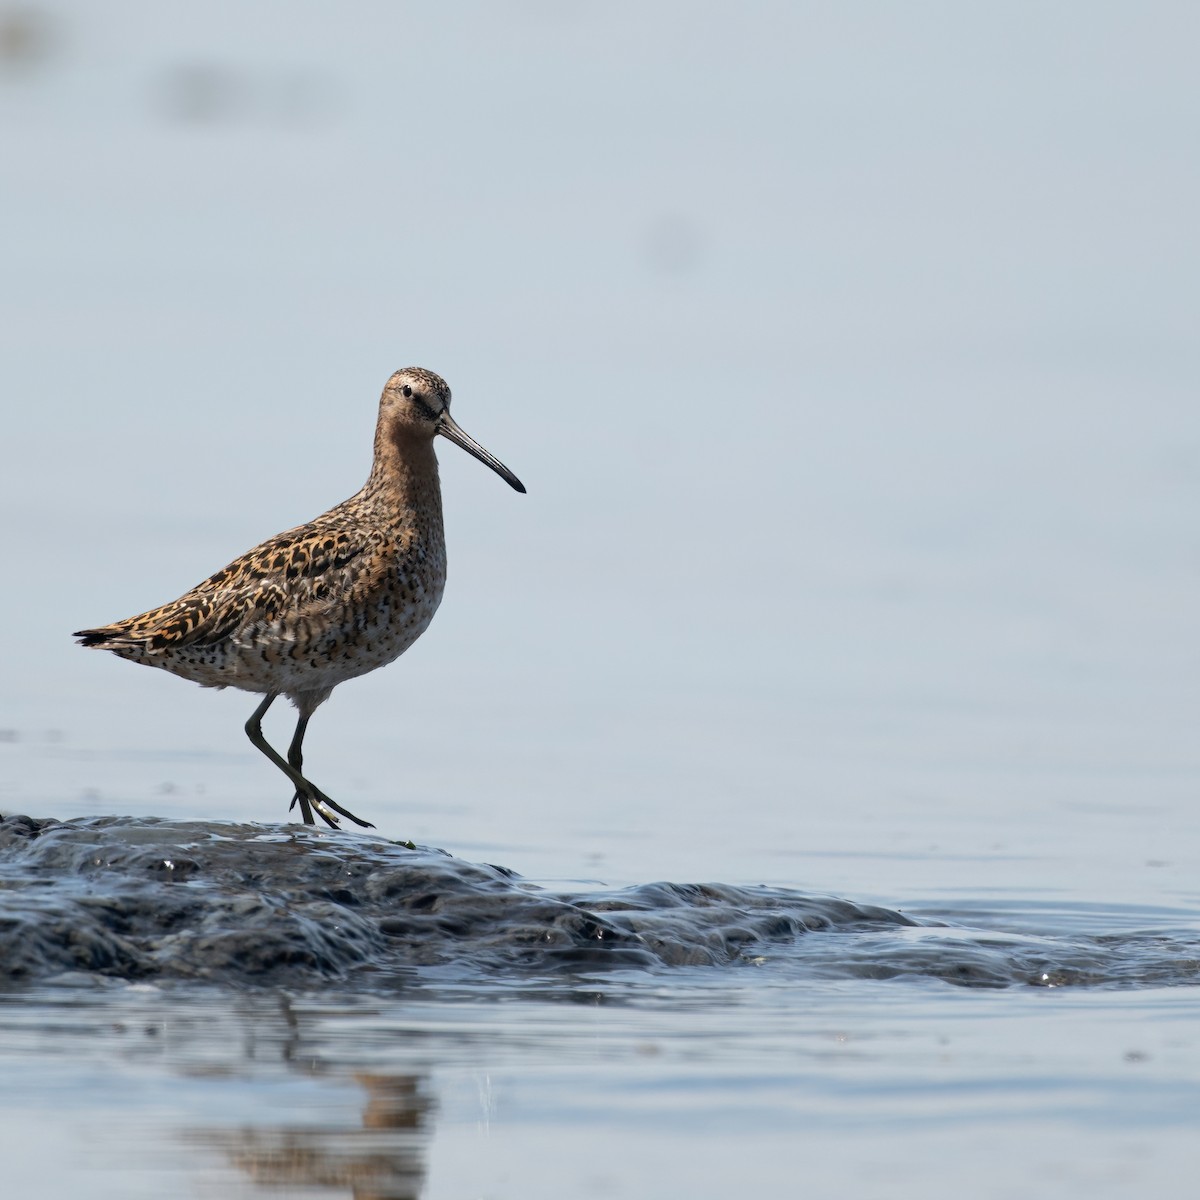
pixel 252 905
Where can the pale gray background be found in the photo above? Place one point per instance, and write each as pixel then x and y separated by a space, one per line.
pixel 848 354
pixel 848 351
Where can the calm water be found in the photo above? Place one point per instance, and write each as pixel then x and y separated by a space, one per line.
pixel 202 1007
pixel 850 359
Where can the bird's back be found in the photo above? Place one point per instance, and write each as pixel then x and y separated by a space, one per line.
pixel 305 610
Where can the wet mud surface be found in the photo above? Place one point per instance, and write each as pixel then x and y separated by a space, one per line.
pixel 245 906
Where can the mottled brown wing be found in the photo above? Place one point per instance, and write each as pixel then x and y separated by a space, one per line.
pixel 293 576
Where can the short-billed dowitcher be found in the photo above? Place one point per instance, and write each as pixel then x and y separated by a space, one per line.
pixel 324 602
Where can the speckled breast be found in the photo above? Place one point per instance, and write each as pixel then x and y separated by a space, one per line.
pixel 358 634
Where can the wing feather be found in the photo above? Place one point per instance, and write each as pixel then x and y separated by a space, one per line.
pixel 276 587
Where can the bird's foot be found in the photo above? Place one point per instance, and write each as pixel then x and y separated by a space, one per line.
pixel 315 800
pixel 309 805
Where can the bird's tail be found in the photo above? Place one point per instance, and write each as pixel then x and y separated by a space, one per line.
pixel 110 637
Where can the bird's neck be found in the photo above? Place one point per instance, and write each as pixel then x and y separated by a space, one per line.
pixel 404 476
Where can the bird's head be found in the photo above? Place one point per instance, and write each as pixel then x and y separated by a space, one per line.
pixel 416 404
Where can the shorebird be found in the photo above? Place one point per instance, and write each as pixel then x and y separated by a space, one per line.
pixel 324 602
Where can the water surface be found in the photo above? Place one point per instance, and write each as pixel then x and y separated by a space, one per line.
pixel 814 745
pixel 270 1007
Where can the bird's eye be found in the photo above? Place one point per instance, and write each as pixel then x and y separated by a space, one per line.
pixel 407 391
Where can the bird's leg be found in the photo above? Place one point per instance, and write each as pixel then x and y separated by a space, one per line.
pixel 296 760
pixel 316 797
pixel 309 796
pixel 255 734
pixel 296 749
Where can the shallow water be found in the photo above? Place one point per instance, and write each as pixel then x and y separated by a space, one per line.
pixel 243 906
pixel 270 1007
pixel 600 1086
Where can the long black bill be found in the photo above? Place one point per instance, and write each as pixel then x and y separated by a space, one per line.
pixel 449 428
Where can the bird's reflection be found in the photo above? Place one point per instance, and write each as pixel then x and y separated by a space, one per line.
pixel 383 1158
